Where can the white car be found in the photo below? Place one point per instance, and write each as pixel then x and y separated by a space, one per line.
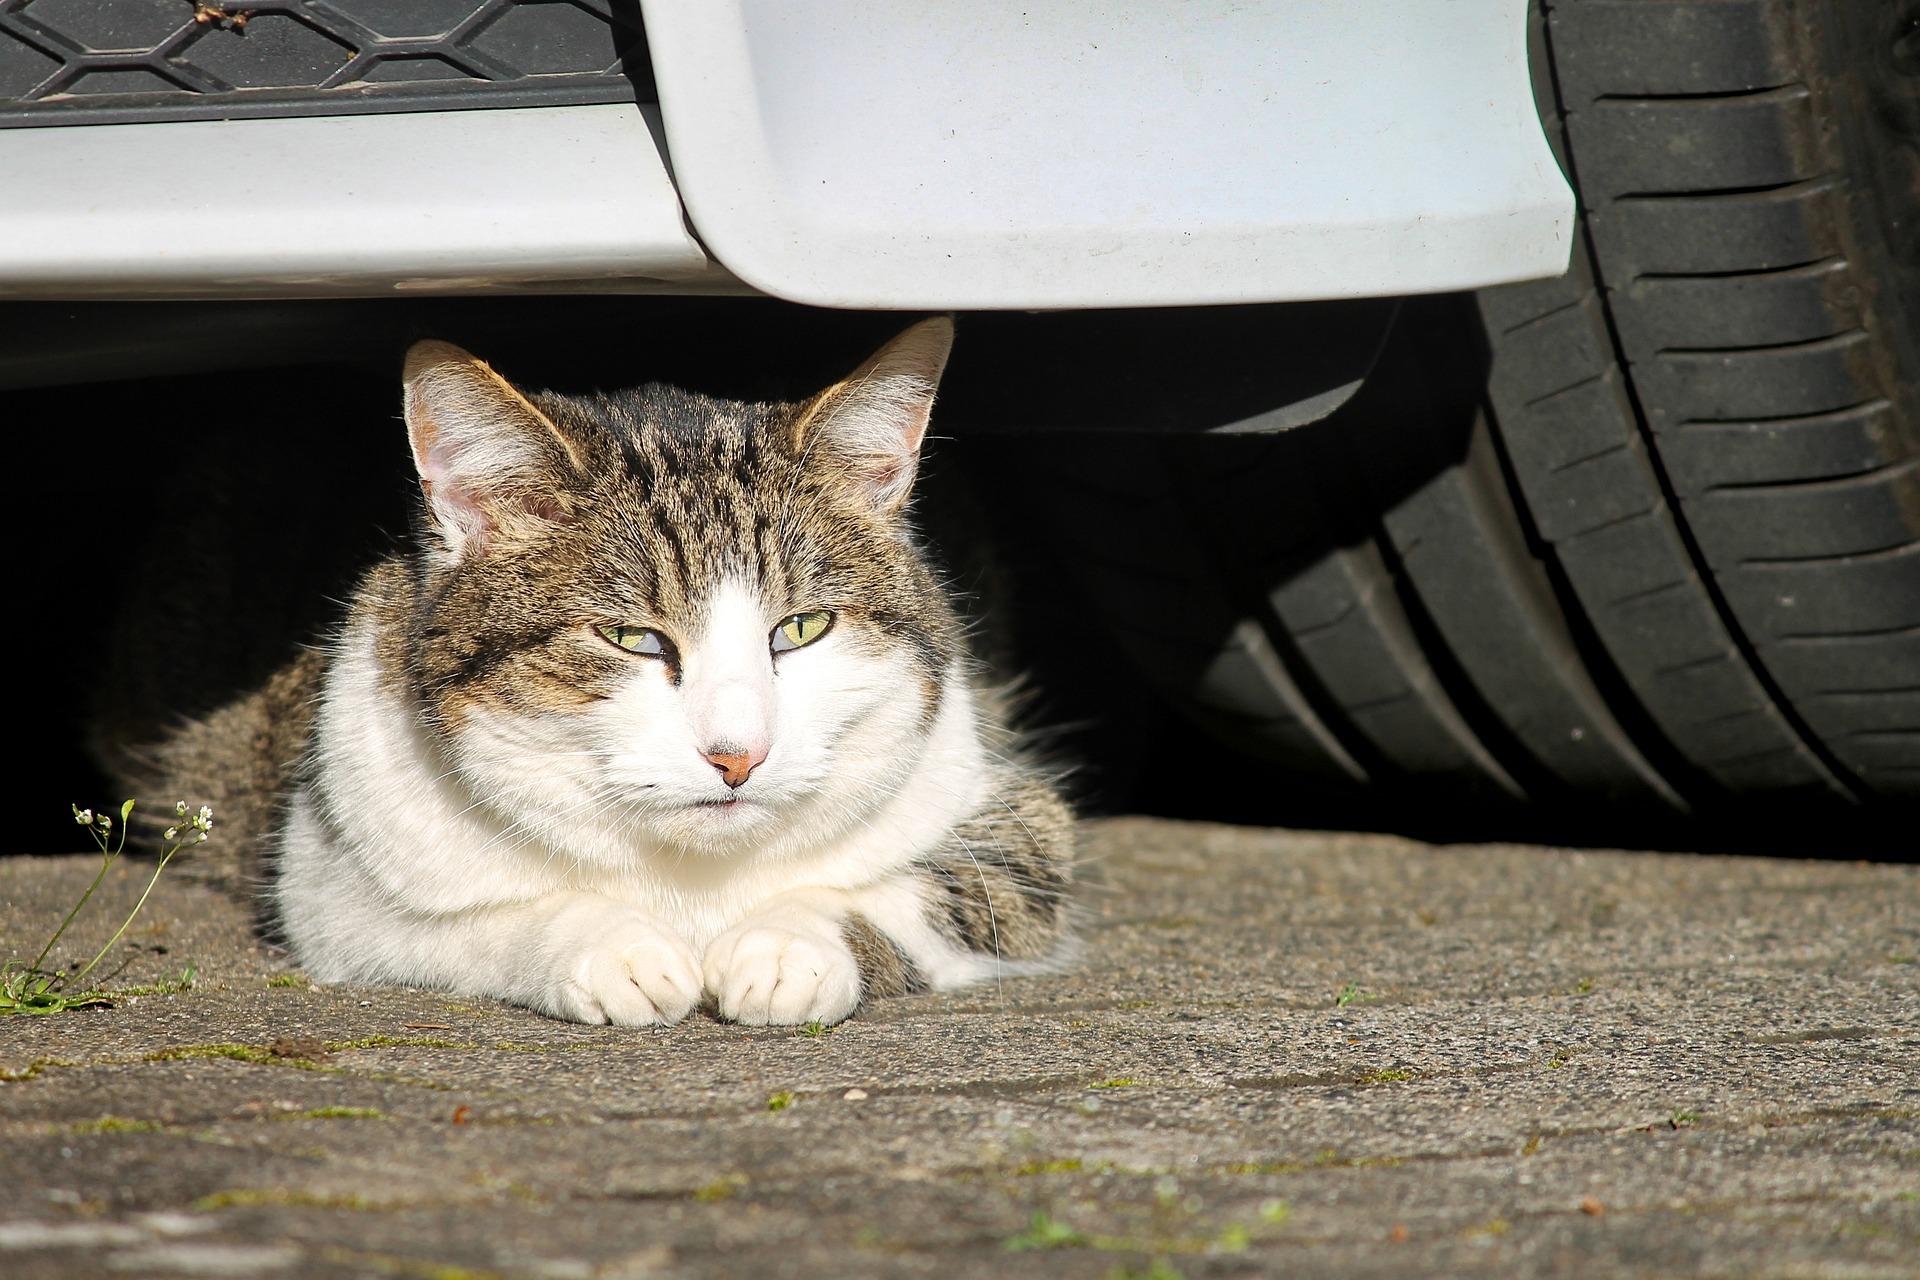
pixel 1614 502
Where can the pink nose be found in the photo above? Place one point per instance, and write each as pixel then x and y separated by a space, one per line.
pixel 734 764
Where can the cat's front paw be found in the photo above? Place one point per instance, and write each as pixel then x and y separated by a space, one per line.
pixel 629 972
pixel 782 972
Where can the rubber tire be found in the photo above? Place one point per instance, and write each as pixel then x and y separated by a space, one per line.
pixel 1647 535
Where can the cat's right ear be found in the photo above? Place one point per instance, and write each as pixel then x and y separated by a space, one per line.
pixel 490 462
pixel 869 426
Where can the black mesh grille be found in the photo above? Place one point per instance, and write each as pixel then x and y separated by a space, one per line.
pixel 120 61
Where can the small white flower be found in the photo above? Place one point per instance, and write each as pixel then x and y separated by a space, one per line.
pixel 104 822
pixel 180 808
pixel 203 837
pixel 83 816
pixel 170 834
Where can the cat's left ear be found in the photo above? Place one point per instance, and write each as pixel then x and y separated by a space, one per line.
pixel 871 424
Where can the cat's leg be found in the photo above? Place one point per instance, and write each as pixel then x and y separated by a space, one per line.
pixel 597 960
pixel 995 891
pixel 786 963
pixel 349 916
pixel 576 956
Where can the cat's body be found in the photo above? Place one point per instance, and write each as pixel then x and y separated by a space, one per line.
pixel 668 705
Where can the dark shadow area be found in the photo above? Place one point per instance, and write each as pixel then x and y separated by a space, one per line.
pixel 1114 603
pixel 1011 372
pixel 630 50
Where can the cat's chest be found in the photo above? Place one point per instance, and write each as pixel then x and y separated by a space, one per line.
pixel 706 897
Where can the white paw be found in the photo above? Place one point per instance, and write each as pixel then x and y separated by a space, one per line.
pixel 630 972
pixel 762 972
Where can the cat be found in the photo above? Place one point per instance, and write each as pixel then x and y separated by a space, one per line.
pixel 664 706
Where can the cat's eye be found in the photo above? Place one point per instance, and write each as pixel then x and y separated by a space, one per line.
pixel 641 640
pixel 800 630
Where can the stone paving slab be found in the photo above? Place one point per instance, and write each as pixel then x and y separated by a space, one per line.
pixel 1284 1053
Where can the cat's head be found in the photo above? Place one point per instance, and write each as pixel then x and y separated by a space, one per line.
pixel 654 619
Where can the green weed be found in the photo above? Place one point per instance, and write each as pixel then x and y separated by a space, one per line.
pixel 1158 1269
pixel 37 990
pixel 725 1187
pixel 1387 1075
pixel 233 1052
pixel 33 1069
pixel 282 1197
pixel 397 1042
pixel 117 1124
pixel 170 987
pixel 1045 1232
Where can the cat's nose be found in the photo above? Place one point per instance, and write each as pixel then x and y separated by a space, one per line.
pixel 734 763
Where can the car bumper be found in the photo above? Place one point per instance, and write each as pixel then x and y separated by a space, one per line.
pixel 924 157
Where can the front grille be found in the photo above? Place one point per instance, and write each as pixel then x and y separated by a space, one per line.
pixel 126 61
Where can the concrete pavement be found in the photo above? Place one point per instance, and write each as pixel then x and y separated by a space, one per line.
pixel 1284 1053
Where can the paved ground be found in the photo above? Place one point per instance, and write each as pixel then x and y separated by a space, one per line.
pixel 1285 1053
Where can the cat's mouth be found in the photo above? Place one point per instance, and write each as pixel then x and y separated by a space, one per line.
pixel 726 802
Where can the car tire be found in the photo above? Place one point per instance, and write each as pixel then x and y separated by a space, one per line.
pixel 1645 536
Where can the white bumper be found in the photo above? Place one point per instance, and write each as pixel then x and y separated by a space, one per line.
pixel 971 153
pixel 555 199
pixel 1005 153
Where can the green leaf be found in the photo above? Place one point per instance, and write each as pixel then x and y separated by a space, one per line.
pixel 126 809
pixel 1045 1232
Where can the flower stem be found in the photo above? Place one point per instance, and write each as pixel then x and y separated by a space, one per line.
pixel 164 860
pixel 106 862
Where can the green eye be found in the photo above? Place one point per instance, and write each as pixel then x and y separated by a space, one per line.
pixel 636 640
pixel 800 630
